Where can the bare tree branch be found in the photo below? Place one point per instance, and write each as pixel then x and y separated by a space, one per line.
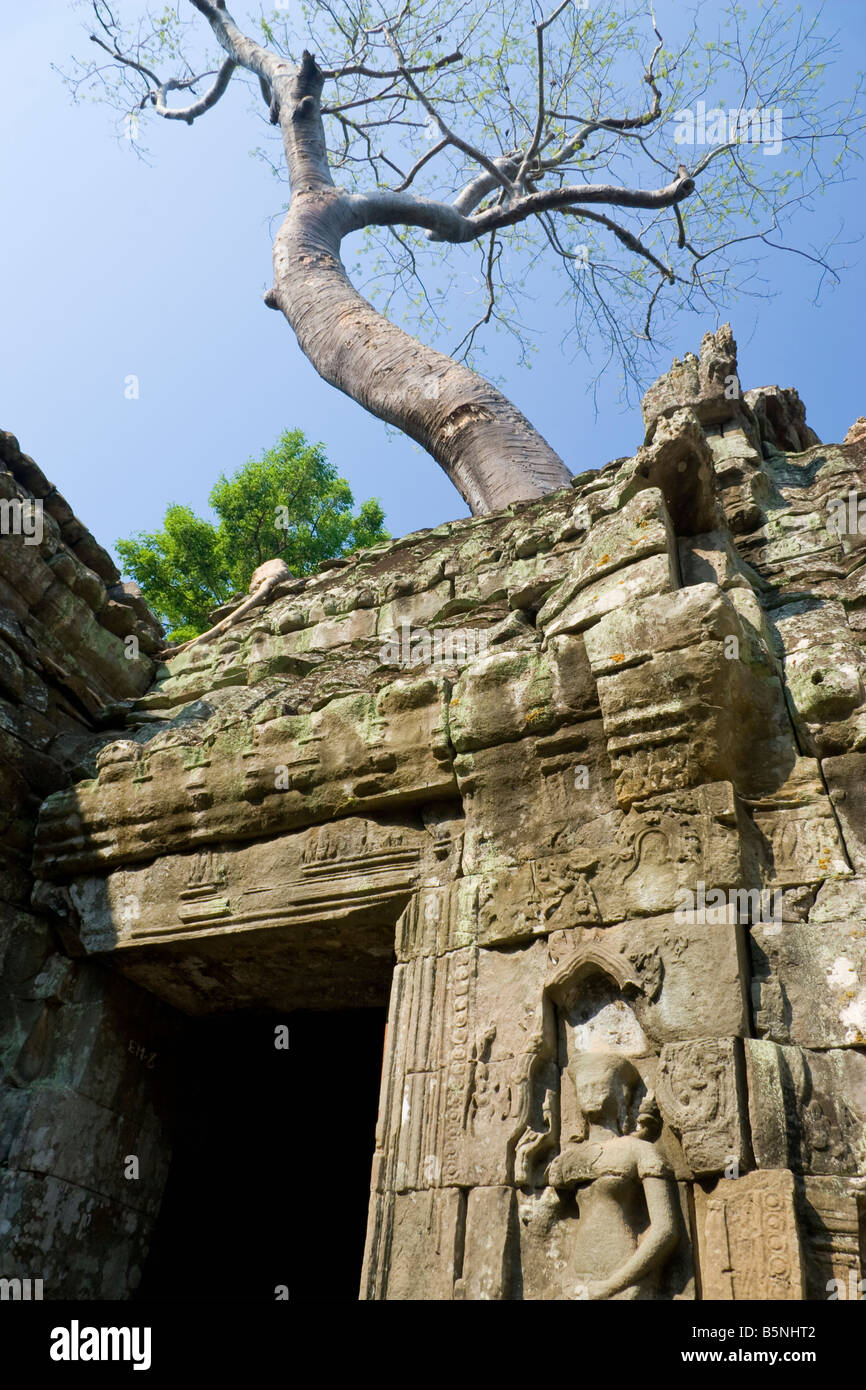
pixel 447 134
pixel 196 108
pixel 359 70
pixel 523 119
pixel 627 238
pixel 419 165
pixel 532 148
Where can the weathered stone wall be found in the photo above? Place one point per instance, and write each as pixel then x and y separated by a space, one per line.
pixel 78 1044
pixel 579 786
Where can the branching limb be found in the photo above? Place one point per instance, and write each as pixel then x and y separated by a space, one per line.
pixel 468 198
pixel 623 124
pixel 196 108
pixel 711 155
pixel 647 328
pixel 453 139
pixel 359 70
pixel 469 338
pixel 156 93
pixel 535 142
pixel 419 164
pixel 127 62
pixel 627 238
pixel 443 222
pixel 578 196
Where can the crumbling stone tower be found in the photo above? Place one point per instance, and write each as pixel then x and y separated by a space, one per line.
pixel 579 787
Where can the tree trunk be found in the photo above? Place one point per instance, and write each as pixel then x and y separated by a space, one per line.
pixel 486 446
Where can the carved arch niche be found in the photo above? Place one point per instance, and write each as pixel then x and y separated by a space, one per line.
pixel 595 1000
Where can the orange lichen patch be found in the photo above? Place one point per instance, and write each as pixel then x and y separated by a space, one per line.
pixel 618 656
pixel 604 559
pixel 538 712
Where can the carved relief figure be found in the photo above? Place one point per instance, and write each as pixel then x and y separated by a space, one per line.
pixel 612 1185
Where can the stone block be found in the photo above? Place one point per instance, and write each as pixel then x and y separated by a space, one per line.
pixel 807 1109
pixel 701 1092
pixel 808 983
pixel 748 1239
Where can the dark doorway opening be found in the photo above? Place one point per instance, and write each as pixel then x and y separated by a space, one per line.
pixel 270 1174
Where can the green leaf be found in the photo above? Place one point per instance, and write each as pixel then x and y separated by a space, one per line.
pixel 289 504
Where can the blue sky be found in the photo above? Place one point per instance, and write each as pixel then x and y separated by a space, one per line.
pixel 111 268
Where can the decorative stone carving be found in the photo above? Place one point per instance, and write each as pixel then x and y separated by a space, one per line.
pixel 652 961
pixel 700 1090
pixel 610 1211
pixel 522 754
pixel 748 1241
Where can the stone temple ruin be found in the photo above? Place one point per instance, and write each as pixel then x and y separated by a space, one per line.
pixel 577 789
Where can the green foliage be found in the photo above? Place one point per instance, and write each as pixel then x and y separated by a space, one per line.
pixel 290 504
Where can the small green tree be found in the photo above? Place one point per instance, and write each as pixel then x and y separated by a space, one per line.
pixel 290 504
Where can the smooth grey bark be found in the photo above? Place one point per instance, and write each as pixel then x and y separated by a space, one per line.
pixel 489 450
